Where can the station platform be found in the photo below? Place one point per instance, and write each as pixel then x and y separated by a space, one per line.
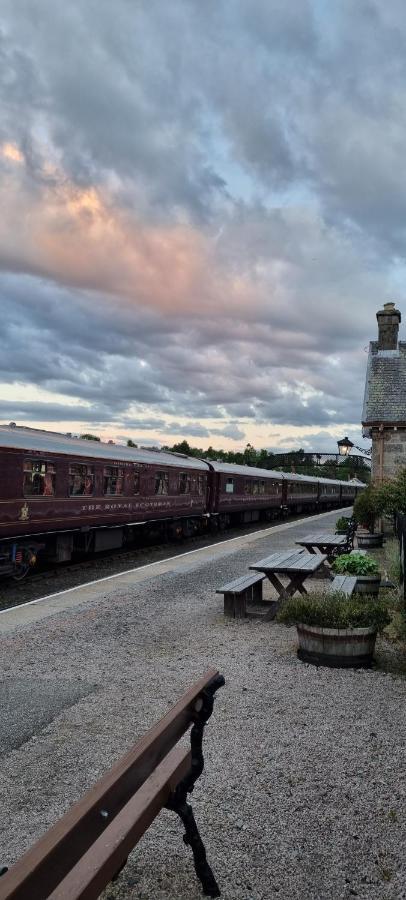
pixel 302 764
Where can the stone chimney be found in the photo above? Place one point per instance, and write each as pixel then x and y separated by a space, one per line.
pixel 388 327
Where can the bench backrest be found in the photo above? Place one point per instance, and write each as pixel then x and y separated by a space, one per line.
pixel 47 863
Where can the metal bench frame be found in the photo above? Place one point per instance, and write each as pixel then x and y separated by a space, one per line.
pixel 89 845
pixel 349 545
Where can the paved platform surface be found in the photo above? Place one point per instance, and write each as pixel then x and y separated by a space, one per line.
pixel 304 792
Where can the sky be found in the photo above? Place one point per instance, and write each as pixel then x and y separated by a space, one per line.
pixel 202 208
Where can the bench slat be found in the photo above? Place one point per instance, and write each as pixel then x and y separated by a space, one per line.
pixel 45 864
pixel 240 584
pixel 104 859
pixel 344 583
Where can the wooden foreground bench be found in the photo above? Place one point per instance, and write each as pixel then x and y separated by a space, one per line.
pixel 240 592
pixel 90 844
pixel 343 583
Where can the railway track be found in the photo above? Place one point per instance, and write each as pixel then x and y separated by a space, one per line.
pixel 69 575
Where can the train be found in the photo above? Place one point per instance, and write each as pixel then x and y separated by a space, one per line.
pixel 62 496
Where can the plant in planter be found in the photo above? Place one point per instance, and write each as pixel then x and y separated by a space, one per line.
pixel 342 524
pixel 364 567
pixel 368 506
pixel 334 629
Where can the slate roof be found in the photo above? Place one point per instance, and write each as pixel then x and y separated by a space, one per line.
pixel 385 387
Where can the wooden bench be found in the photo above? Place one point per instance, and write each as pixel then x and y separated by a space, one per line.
pixel 89 845
pixel 238 593
pixel 343 583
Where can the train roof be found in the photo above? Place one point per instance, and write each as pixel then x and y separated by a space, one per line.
pixel 20 438
pixel 233 468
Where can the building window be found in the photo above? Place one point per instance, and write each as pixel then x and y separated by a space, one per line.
pixel 39 478
pixel 81 480
pixel 113 480
pixel 230 486
pixel 184 483
pixel 161 483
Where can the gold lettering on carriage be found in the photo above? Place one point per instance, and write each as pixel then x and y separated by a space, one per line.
pixel 24 513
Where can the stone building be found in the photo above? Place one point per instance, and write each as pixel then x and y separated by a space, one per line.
pixel 384 412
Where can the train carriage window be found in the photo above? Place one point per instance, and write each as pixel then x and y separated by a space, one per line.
pixel 161 483
pixel 184 483
pixel 262 487
pixel 200 485
pixel 113 480
pixel 81 480
pixel 39 478
pixel 248 487
pixel 135 480
pixel 230 486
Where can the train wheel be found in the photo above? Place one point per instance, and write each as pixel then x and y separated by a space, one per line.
pixel 21 571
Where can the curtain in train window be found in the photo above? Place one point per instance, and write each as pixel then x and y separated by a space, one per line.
pixel 113 480
pixel 184 483
pixel 161 483
pixel 81 480
pixel 39 478
pixel 200 485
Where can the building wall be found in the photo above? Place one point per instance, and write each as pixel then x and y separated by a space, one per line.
pixel 388 452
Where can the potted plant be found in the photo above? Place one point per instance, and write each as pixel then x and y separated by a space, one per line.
pixel 334 629
pixel 364 567
pixel 342 524
pixel 368 506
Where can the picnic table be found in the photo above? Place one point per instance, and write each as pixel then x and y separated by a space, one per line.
pixel 297 565
pixel 323 542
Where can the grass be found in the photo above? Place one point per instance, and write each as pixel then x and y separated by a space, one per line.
pixel 335 610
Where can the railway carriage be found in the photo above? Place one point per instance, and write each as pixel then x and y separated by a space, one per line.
pixel 243 494
pixel 61 495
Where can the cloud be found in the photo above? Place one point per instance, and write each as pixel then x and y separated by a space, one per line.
pixel 201 212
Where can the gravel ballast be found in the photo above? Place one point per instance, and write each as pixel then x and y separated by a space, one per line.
pixel 303 794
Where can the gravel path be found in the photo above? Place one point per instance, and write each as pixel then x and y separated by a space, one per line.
pixel 303 795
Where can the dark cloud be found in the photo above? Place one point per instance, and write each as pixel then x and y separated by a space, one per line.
pixel 202 208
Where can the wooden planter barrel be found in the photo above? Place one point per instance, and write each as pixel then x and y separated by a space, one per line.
pixel 368 584
pixel 368 541
pixel 336 647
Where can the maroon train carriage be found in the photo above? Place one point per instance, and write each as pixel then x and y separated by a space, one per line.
pixel 301 493
pixel 243 494
pixel 60 494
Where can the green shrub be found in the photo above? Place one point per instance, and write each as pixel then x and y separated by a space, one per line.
pixel 342 523
pixel 335 610
pixel 355 564
pixel 368 506
pixel 393 561
pixel 392 494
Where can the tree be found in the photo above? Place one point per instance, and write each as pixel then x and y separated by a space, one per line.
pixel 89 437
pixel 130 443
